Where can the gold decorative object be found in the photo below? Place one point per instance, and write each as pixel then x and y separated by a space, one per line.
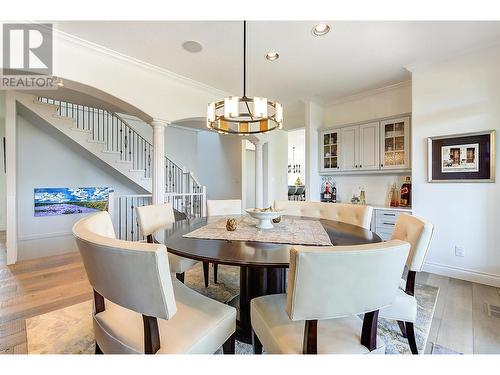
pixel 231 225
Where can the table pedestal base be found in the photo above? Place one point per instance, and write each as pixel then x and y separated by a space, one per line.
pixel 256 282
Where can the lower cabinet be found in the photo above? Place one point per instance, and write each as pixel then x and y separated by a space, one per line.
pixel 383 221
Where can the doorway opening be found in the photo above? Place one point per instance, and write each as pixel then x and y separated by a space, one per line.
pixel 296 164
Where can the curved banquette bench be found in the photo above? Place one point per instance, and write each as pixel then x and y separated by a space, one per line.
pixel 354 214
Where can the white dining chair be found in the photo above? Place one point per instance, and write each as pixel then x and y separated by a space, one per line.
pixel 220 207
pixel 328 288
pixel 355 214
pixel 138 306
pixel 156 217
pixel 418 233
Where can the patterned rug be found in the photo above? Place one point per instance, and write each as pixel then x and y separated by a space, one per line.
pixel 69 330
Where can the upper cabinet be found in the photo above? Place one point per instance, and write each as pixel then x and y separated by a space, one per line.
pixel 349 156
pixel 371 146
pixel 395 142
pixel 329 150
pixel 368 146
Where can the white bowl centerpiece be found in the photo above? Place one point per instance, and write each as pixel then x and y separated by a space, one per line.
pixel 265 216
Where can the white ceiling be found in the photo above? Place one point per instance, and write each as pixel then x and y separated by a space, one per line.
pixel 355 56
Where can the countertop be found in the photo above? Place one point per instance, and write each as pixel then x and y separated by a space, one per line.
pixel 389 208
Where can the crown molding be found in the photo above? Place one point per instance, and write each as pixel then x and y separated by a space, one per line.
pixel 368 93
pixel 133 61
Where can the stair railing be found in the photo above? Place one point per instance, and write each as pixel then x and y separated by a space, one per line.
pixel 119 137
pixel 124 215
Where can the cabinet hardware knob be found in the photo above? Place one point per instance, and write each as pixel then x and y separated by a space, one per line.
pixel 360 166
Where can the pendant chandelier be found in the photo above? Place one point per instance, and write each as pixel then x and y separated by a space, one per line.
pixel 242 115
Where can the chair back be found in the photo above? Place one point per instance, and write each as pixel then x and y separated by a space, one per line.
pixel 134 275
pixel 153 217
pixel 354 214
pixel 418 233
pixel 217 207
pixel 338 281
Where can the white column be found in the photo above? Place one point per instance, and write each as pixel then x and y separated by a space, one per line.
pixel 158 160
pixel 259 174
pixel 11 176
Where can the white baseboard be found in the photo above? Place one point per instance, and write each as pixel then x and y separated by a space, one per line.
pixel 463 274
pixel 32 237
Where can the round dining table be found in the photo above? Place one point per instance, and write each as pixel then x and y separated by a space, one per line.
pixel 262 265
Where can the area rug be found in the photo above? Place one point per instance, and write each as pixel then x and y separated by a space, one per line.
pixel 69 330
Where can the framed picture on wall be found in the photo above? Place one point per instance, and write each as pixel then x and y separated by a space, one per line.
pixel 67 201
pixel 466 157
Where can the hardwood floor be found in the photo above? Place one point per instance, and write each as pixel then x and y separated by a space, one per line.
pixel 461 321
pixel 35 287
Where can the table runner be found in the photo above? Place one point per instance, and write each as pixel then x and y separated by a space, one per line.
pixel 288 231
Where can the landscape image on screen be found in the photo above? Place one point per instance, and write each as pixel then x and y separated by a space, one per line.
pixel 67 201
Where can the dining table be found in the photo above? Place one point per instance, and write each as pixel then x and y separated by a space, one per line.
pixel 262 265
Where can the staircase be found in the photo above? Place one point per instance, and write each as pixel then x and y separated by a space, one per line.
pixel 111 139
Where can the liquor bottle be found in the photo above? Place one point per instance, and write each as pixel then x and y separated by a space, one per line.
pixel 394 197
pixel 405 193
pixel 334 194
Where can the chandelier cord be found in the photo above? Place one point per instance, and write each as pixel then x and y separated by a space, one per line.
pixel 245 67
pixel 244 58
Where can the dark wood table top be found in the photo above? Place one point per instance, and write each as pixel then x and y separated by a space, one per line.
pixel 246 253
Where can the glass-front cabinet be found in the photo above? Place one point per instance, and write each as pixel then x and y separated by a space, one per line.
pixel 395 143
pixel 329 151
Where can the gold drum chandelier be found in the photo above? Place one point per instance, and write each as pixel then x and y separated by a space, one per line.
pixel 242 115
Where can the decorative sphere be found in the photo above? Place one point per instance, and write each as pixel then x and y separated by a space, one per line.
pixel 231 225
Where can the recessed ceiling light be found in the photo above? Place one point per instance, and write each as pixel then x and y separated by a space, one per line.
pixel 192 46
pixel 272 56
pixel 320 29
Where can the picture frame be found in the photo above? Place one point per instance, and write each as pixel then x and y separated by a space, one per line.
pixel 467 157
pixel 67 201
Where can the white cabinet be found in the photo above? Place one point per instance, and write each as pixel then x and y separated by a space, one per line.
pixel 360 149
pixel 384 221
pixel 350 141
pixel 329 150
pixel 395 143
pixel 368 146
pixel 372 146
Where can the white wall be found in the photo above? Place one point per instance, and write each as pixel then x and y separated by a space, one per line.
pixel 458 96
pixel 276 168
pixel 297 139
pixel 47 160
pixel 314 120
pixel 219 163
pixel 3 212
pixel 385 102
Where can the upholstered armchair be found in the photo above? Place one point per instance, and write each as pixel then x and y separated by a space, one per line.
pixel 219 207
pixel 418 233
pixel 155 217
pixel 328 287
pixel 355 214
pixel 138 306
